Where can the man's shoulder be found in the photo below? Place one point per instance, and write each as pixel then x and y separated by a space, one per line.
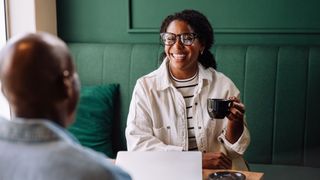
pixel 86 161
pixel 56 159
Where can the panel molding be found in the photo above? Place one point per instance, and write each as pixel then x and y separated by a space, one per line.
pixel 149 30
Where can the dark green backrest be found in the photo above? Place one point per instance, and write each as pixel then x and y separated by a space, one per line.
pixel 280 87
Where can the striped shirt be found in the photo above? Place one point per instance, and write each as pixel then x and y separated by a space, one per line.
pixel 187 87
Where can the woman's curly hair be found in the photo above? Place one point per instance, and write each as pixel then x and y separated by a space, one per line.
pixel 201 26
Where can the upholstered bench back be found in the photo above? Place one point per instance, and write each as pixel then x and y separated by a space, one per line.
pixel 280 87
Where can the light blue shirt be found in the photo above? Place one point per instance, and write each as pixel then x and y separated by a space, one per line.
pixel 37 149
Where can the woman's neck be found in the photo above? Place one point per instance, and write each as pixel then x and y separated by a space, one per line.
pixel 181 74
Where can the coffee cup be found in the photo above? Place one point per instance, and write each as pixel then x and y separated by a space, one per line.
pixel 218 108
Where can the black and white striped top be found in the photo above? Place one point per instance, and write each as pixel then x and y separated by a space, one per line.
pixel 187 87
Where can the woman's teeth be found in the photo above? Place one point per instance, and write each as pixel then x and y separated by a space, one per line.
pixel 179 56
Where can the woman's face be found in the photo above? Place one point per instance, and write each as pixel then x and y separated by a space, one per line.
pixel 183 59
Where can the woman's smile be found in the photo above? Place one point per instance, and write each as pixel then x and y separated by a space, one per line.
pixel 178 56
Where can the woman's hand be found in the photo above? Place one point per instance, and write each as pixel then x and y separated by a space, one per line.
pixel 236 118
pixel 215 160
pixel 237 110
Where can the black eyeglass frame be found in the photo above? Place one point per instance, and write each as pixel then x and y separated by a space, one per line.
pixel 193 35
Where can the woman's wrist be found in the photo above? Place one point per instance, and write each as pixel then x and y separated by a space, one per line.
pixel 234 131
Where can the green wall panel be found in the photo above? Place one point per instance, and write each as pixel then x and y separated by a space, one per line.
pixel 231 61
pixel 233 16
pixel 290 105
pixel 117 57
pixel 91 60
pixel 235 22
pixel 312 145
pixel 260 78
pixel 142 68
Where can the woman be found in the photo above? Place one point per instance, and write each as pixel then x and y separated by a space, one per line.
pixel 168 110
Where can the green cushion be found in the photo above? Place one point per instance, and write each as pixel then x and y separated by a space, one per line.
pixel 94 118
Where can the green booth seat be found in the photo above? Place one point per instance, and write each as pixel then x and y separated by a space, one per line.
pixel 280 87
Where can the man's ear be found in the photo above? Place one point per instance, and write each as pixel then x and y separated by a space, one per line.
pixel 5 93
pixel 67 82
pixel 72 88
pixel 2 90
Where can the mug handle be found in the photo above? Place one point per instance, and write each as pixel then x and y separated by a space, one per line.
pixel 210 108
pixel 230 104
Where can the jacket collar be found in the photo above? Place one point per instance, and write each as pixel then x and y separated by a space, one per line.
pixel 32 130
pixel 163 76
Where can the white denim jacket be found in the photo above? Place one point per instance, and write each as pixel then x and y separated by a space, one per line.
pixel 157 116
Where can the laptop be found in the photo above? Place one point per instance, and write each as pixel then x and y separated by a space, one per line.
pixel 161 165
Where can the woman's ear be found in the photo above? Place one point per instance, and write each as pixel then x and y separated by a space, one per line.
pixel 202 47
pixel 201 51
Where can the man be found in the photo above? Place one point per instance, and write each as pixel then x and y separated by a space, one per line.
pixel 39 80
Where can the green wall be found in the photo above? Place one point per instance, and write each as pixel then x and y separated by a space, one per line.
pixel 234 21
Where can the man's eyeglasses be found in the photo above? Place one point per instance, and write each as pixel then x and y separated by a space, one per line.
pixel 170 39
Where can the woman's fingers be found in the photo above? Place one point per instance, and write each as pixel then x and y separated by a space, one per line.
pixel 237 110
pixel 216 160
pixel 239 106
pixel 235 99
pixel 226 163
pixel 236 113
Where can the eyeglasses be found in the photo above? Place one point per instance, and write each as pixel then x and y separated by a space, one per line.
pixel 170 39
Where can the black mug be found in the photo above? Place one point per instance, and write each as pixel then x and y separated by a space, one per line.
pixel 218 108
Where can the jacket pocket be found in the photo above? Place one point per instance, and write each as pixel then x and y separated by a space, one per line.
pixel 163 134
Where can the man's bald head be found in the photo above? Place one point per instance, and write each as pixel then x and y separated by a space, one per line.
pixel 37 75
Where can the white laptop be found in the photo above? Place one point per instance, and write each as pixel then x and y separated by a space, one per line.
pixel 161 165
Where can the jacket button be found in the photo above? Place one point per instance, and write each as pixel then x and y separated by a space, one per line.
pixel 196 103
